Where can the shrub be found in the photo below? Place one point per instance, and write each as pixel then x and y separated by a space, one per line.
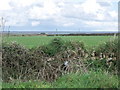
pixel 105 56
pixel 108 48
pixel 58 45
pixel 96 64
pixel 14 59
pixel 55 46
pixel 19 63
pixel 40 63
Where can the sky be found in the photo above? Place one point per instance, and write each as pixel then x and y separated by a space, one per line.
pixel 86 15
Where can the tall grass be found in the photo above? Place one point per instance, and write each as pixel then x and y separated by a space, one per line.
pixel 91 79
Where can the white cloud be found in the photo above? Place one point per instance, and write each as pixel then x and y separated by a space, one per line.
pixel 100 16
pixel 4 5
pixel 62 13
pixel 113 14
pixel 68 24
pixel 108 1
pixel 49 10
pixel 94 23
pixel 90 6
pixel 103 25
pixel 22 3
pixel 35 23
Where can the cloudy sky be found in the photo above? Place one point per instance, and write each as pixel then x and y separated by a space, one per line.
pixel 60 14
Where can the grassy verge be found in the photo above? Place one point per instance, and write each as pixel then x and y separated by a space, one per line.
pixel 91 79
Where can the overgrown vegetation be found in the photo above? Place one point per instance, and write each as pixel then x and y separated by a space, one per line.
pixel 44 63
pixel 91 79
pixel 49 62
pixel 106 55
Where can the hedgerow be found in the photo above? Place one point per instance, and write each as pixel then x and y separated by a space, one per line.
pixel 47 63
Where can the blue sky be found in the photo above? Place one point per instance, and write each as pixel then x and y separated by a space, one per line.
pixel 86 15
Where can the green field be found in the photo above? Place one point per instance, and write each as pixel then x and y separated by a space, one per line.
pixel 34 41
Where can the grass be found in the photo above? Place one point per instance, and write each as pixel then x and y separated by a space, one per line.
pixel 34 41
pixel 29 84
pixel 91 79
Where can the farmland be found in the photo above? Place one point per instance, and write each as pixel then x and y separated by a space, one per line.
pixel 34 41
pixel 86 67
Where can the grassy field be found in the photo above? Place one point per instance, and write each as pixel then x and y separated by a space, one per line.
pixel 34 41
